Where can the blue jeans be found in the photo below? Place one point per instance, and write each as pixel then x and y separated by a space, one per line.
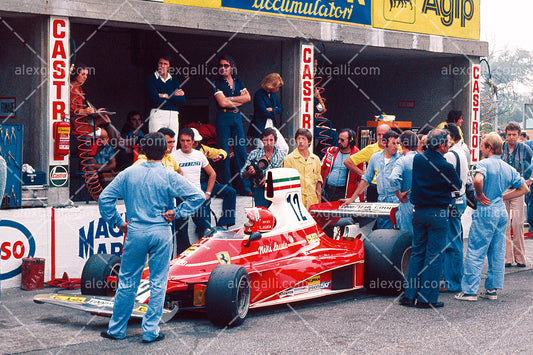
pixel 202 220
pixel 156 242
pixel 229 202
pixel 486 239
pixel 405 216
pixel 430 227
pixel 259 197
pixel 530 210
pixel 230 132
pixel 453 254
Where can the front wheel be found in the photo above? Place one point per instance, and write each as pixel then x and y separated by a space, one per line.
pixel 387 254
pixel 95 273
pixel 227 296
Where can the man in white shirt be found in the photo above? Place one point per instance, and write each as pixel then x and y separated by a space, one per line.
pixel 191 162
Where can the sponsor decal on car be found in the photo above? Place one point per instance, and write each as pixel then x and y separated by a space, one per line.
pixel 312 238
pixel 100 302
pixel 69 298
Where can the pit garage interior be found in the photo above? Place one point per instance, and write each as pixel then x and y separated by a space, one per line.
pixel 359 81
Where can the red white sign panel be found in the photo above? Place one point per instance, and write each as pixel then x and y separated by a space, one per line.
pixel 475 119
pixel 58 78
pixel 306 86
pixel 406 104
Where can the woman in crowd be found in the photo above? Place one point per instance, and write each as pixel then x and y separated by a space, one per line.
pixel 267 111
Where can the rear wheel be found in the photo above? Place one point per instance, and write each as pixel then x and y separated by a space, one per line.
pixel 227 297
pixel 387 254
pixel 95 273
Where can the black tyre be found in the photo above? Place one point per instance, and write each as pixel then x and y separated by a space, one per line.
pixel 95 273
pixel 227 297
pixel 387 254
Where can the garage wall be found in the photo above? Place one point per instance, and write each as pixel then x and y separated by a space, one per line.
pixel 122 58
pixel 354 102
pixel 23 76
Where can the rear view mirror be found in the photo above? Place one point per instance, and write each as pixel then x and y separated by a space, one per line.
pixel 253 237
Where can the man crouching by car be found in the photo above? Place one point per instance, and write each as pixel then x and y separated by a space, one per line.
pixel 261 160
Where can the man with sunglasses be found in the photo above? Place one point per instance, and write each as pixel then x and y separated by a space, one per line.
pixel 339 182
pixel 230 94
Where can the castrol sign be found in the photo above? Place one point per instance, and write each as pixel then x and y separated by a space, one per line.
pixel 306 86
pixel 17 242
pixel 475 98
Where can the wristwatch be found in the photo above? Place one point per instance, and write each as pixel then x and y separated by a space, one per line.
pixel 208 193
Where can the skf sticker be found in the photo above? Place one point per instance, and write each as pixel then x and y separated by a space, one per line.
pixel 312 238
pixel 224 258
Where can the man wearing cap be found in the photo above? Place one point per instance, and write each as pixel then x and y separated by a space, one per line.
pixel 191 163
pixel 225 192
pixel 433 181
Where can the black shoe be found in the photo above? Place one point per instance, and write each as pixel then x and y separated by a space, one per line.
pixel 161 336
pixel 520 265
pixel 429 305
pixel 104 334
pixel 508 265
pixel 407 302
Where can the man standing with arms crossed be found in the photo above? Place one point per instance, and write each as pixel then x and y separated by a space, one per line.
pixel 148 190
pixel 364 156
pixel 165 95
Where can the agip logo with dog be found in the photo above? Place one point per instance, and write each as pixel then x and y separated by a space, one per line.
pixel 453 18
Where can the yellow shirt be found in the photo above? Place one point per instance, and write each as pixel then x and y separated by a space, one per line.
pixel 168 161
pixel 442 124
pixel 364 155
pixel 210 152
pixel 309 171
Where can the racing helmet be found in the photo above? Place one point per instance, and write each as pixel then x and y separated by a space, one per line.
pixel 260 219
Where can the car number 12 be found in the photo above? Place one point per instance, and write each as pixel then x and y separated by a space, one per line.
pixel 294 201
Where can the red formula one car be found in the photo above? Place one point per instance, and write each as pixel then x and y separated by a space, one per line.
pixel 280 255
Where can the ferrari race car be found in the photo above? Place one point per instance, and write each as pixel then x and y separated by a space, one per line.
pixel 280 255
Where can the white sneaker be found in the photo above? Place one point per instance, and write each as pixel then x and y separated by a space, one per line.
pixel 461 296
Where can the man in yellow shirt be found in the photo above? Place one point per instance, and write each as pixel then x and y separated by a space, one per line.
pixel 363 156
pixel 168 160
pixel 308 165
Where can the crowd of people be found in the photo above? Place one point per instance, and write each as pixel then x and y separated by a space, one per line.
pixel 427 175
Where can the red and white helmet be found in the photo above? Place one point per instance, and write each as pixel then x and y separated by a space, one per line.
pixel 260 219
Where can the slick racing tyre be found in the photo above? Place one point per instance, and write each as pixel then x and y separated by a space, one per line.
pixel 227 297
pixel 387 254
pixel 95 273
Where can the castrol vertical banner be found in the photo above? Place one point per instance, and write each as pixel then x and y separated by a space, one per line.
pixel 475 112
pixel 306 87
pixel 58 88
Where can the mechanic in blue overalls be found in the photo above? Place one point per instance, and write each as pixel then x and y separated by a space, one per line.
pixel 148 190
pixel 487 234
pixel 380 165
pixel 401 177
